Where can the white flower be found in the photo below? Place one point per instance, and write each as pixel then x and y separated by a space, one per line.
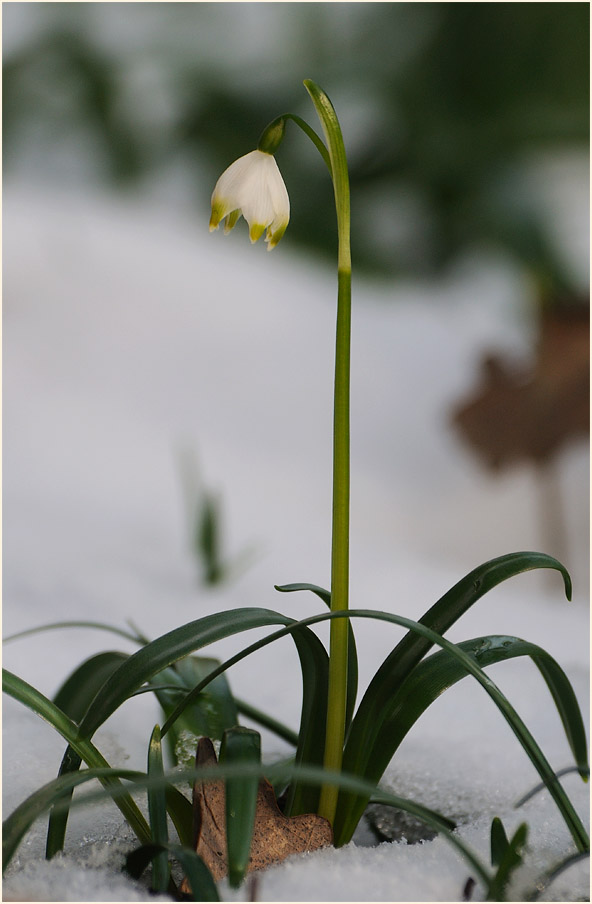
pixel 252 186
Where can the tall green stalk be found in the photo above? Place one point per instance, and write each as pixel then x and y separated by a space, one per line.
pixel 340 529
pixel 234 193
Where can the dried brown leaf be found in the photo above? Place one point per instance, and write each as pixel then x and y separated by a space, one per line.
pixel 275 836
pixel 518 413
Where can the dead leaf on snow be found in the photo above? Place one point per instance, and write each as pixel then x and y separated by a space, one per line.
pixel 275 836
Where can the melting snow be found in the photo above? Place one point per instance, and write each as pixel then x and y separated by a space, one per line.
pixel 132 336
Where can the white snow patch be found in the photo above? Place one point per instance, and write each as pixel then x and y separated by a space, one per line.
pixel 129 334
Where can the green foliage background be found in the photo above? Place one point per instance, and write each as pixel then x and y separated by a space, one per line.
pixel 444 104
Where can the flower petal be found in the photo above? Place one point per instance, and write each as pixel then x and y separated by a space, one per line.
pixel 256 231
pixel 252 186
pixel 231 221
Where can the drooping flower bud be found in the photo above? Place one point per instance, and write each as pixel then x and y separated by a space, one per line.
pixel 253 186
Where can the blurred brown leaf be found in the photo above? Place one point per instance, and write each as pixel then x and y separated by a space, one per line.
pixel 518 413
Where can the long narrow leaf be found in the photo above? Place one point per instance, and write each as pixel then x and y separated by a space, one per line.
pixel 53 626
pixel 436 674
pixel 34 700
pixel 568 770
pixel 240 745
pixel 211 713
pixel 352 654
pixel 180 810
pixel 266 721
pixel 310 740
pixel 37 803
pixel 157 812
pixel 203 887
pixel 22 818
pixel 528 743
pixel 58 818
pixel 74 697
pixel 77 692
pixel 550 876
pixel 169 648
pixel 413 647
pixel 510 860
pixel 161 653
pixel 499 841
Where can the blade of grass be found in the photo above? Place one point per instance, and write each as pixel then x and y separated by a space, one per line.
pixel 499 841
pixel 52 626
pixel 550 876
pixel 77 692
pixel 240 745
pixel 314 667
pixel 352 653
pixel 203 887
pixel 157 811
pixel 266 721
pixel 34 700
pixel 74 697
pixel 510 860
pixel 541 785
pixel 38 803
pixel 413 647
pixel 528 743
pixel 181 812
pixel 15 826
pixel 210 714
pixel 430 678
pixel 161 653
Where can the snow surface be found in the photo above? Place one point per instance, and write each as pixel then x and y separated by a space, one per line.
pixel 133 340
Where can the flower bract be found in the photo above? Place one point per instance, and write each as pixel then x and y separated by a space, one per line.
pixel 252 186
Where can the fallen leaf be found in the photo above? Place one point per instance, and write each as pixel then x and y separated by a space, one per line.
pixel 520 413
pixel 275 836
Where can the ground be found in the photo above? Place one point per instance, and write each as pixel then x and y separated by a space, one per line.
pixel 137 345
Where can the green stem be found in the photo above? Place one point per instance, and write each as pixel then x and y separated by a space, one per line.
pixel 273 135
pixel 337 696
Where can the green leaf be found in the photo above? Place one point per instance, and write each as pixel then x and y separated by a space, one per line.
pixel 180 810
pixel 499 841
pixel 207 538
pixel 211 713
pixel 22 818
pixel 74 697
pixel 345 824
pixel 584 774
pixel 266 721
pixel 58 818
pixel 100 626
pixel 203 887
pixel 352 655
pixel 240 745
pixel 510 860
pixel 547 878
pixel 157 812
pixel 78 691
pixel 38 802
pixel 437 673
pixel 314 666
pixel 323 594
pixel 528 743
pixel 161 653
pixel 412 648
pixel 81 747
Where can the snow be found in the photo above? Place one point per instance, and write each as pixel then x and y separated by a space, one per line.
pixel 133 340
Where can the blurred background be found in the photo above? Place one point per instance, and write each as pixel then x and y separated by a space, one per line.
pixel 467 130
pixel 453 112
